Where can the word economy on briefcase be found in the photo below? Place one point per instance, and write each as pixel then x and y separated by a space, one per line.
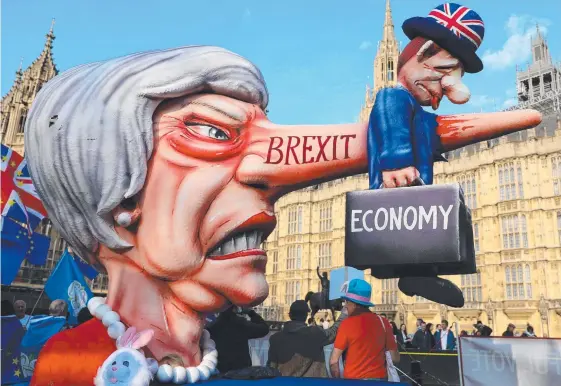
pixel 400 218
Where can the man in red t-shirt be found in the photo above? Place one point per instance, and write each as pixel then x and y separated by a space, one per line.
pixel 364 336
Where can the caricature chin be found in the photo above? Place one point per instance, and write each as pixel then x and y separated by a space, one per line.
pixel 253 292
pixel 422 95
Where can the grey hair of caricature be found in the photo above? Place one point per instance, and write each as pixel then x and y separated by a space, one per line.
pixel 89 135
pixel 57 308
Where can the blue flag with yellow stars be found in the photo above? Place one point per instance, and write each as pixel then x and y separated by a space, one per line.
pixel 38 249
pixel 15 245
pixel 18 244
pixel 12 334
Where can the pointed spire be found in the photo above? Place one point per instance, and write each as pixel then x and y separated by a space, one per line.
pixel 50 36
pixel 19 72
pixel 388 24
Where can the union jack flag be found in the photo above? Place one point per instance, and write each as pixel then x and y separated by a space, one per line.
pixel 462 21
pixel 19 196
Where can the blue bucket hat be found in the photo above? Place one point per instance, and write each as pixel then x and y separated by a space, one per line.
pixel 454 27
pixel 359 292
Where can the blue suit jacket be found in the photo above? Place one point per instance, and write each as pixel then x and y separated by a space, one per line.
pixel 401 134
pixel 450 341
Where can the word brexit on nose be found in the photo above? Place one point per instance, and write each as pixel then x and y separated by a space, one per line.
pixel 301 150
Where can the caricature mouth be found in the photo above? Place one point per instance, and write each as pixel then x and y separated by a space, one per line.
pixel 434 99
pixel 246 239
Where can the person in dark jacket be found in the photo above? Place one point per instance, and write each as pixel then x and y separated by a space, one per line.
pixel 529 333
pixel 231 332
pixel 432 339
pixel 509 330
pixel 422 338
pixel 297 351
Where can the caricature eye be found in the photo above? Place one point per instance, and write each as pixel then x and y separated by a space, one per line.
pixel 211 132
pixel 114 363
pixel 126 363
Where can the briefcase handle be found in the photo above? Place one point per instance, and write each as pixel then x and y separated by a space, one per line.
pixel 416 182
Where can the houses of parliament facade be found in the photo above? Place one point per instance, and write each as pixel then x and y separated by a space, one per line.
pixel 512 186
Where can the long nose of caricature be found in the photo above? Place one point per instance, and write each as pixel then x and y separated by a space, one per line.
pixel 287 158
pixel 456 91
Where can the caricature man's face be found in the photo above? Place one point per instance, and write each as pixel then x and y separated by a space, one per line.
pixel 207 203
pixel 433 75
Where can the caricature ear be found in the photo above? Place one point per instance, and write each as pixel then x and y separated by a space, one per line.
pixel 427 50
pixel 126 339
pixel 126 218
pixel 142 338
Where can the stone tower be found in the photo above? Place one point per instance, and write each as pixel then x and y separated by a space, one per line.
pixel 385 64
pixel 539 86
pixel 27 84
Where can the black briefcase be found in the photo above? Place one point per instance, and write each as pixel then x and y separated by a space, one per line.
pixel 413 231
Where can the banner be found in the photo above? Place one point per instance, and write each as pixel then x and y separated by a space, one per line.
pixel 339 278
pixel 510 361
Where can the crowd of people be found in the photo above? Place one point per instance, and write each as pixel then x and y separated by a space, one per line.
pixel 57 308
pixel 367 343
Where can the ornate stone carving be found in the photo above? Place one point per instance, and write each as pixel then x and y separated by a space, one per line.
pixel 543 308
pixel 490 310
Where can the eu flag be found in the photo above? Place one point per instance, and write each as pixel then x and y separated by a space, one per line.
pixel 15 244
pixel 39 249
pixel 67 283
pixel 12 334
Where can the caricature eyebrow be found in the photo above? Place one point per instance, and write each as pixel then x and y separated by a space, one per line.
pixel 236 118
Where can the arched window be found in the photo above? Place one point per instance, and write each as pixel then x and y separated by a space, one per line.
pixel 471 287
pixel 559 226
pixel 390 70
pixel 389 291
pixel 511 185
pixel 518 282
pixel 22 118
pixel 556 175
pixel 514 231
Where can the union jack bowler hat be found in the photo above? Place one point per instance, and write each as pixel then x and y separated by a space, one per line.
pixel 359 291
pixel 456 28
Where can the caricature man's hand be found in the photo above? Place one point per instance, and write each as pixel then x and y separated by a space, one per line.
pixel 399 178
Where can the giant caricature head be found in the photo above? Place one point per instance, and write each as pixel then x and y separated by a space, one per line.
pixel 443 47
pixel 163 167
pixel 432 73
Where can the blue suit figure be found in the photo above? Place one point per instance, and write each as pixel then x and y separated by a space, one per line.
pixel 403 142
pixel 401 134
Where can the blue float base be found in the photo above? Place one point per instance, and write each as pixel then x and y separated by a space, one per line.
pixel 285 381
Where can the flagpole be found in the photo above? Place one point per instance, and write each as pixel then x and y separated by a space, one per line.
pixel 33 309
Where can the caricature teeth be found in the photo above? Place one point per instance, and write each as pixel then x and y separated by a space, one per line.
pixel 238 242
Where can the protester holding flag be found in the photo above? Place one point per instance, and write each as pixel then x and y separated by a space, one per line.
pixel 68 284
pixel 20 309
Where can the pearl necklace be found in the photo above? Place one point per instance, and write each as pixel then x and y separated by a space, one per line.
pixel 164 373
